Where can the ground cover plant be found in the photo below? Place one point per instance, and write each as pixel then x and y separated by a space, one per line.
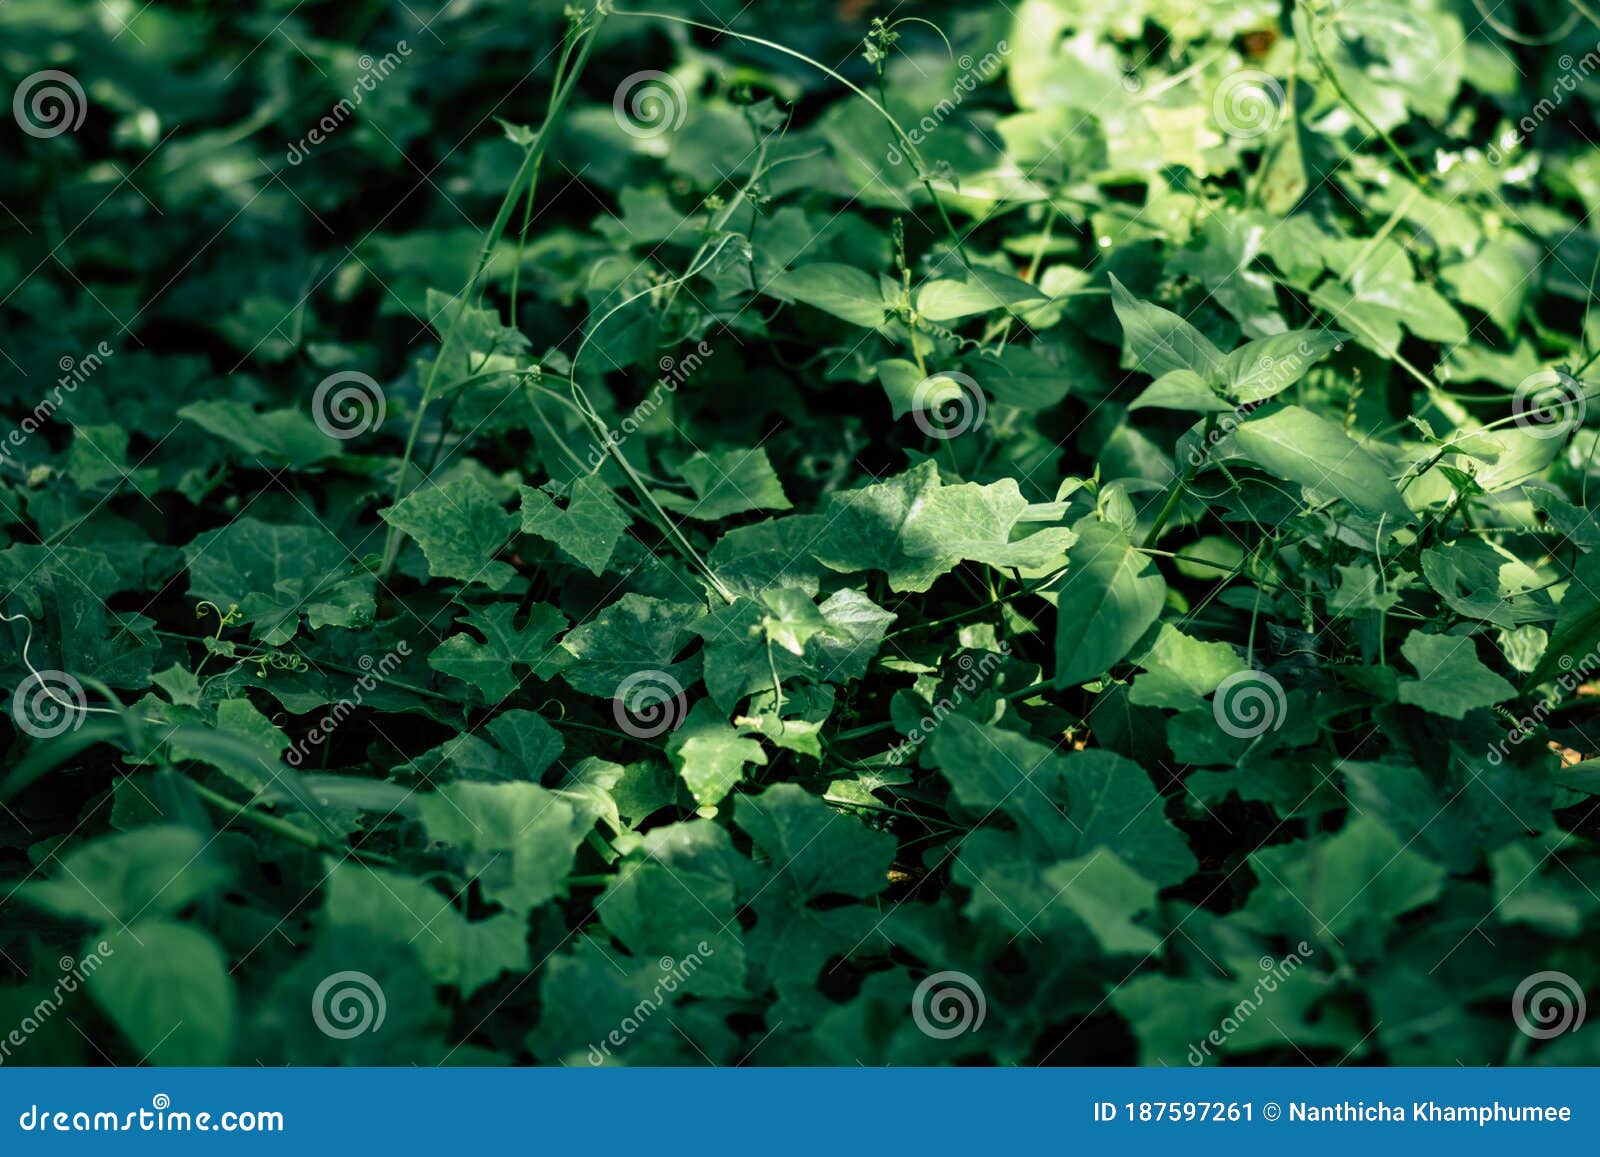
pixel 1047 532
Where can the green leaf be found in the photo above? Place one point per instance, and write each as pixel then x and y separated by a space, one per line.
pixel 811 849
pixel 902 381
pixel 167 989
pixel 588 529
pixel 710 754
pixel 730 482
pixel 1576 634
pixel 288 436
pixel 153 871
pixel 460 527
pixel 1497 279
pixel 1352 885
pixel 636 633
pixel 1103 892
pixel 516 839
pixel 916 529
pixel 492 665
pixel 842 290
pixel 1266 367
pixel 677 899
pixel 1064 806
pixel 1110 597
pixel 1306 448
pixel 1180 671
pixel 1160 341
pixel 277 574
pixel 978 291
pixel 1181 390
pixel 1450 679
pixel 408 914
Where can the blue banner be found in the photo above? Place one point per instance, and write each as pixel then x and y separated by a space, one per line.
pixel 708 1112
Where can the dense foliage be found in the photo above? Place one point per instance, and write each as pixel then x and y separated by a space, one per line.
pixel 1038 533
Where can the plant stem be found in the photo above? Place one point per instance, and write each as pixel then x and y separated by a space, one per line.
pixel 280 827
pixel 1326 67
pixel 905 140
pixel 527 176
